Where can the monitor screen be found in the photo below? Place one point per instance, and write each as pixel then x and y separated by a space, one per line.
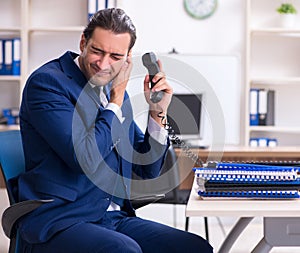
pixel 184 115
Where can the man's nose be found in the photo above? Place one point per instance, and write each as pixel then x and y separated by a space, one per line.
pixel 103 62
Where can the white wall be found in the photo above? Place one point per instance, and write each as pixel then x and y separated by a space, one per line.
pixel 164 24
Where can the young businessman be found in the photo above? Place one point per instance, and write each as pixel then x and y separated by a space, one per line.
pixel 81 150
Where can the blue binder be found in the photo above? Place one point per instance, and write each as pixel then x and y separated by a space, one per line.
pixel 92 8
pixel 248 180
pixel 7 64
pixel 96 5
pixel 1 56
pixel 16 56
pixel 253 107
pixel 253 194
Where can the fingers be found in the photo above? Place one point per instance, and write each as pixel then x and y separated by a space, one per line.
pixel 161 84
pixel 124 73
pixel 146 83
pixel 160 81
pixel 127 67
pixel 129 63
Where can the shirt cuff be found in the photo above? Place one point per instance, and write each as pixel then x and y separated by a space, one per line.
pixel 116 109
pixel 157 132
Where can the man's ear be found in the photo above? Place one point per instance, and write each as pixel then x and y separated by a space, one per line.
pixel 82 43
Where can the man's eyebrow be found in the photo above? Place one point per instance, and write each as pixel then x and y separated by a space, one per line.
pixel 102 51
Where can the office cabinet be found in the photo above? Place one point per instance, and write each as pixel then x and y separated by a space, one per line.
pixel 273 63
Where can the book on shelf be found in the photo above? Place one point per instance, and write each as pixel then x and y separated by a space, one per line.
pixel 246 180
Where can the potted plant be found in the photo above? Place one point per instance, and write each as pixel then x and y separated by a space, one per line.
pixel 288 14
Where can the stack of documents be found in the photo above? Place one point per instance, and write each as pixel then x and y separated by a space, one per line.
pixel 248 180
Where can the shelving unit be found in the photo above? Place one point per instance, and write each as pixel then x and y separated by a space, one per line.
pixel 272 54
pixel 10 26
pixel 272 62
pixel 44 35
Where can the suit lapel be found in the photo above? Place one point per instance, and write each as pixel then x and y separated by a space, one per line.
pixel 70 68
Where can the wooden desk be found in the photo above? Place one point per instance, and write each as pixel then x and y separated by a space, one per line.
pixel 231 153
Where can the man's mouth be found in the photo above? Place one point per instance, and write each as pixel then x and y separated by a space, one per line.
pixel 102 72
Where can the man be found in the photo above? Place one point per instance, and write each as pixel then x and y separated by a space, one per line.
pixel 81 150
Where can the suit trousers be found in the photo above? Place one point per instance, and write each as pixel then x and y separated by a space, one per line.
pixel 118 233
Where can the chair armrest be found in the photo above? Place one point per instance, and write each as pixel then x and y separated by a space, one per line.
pixel 18 210
pixel 139 202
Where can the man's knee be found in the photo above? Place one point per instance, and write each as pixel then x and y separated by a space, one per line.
pixel 197 242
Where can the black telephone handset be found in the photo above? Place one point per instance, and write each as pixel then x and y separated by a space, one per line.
pixel 150 62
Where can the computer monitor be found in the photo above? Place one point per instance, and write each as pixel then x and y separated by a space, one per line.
pixel 184 116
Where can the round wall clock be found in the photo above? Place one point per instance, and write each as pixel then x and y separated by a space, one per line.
pixel 200 9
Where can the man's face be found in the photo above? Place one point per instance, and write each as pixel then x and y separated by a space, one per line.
pixel 103 55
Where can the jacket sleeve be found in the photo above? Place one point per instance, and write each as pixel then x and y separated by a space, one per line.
pixel 149 155
pixel 64 117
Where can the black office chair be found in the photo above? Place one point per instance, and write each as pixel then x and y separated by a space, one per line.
pixel 177 196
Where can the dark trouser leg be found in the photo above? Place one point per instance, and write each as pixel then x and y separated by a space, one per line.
pixel 87 238
pixel 158 238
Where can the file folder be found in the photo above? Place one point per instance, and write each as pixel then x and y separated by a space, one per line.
pixel 270 118
pixel 253 107
pixel 263 142
pixel 262 107
pixel 92 8
pixel 8 57
pixel 16 56
pixel 1 57
pixel 266 105
pixel 253 142
pixel 102 4
pixel 96 5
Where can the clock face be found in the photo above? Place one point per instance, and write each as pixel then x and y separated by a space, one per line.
pixel 200 8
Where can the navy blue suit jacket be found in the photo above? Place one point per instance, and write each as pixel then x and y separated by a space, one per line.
pixel 75 151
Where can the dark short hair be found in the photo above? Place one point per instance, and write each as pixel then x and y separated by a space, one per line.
pixel 112 19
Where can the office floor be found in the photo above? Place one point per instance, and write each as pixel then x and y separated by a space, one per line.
pixel 218 227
